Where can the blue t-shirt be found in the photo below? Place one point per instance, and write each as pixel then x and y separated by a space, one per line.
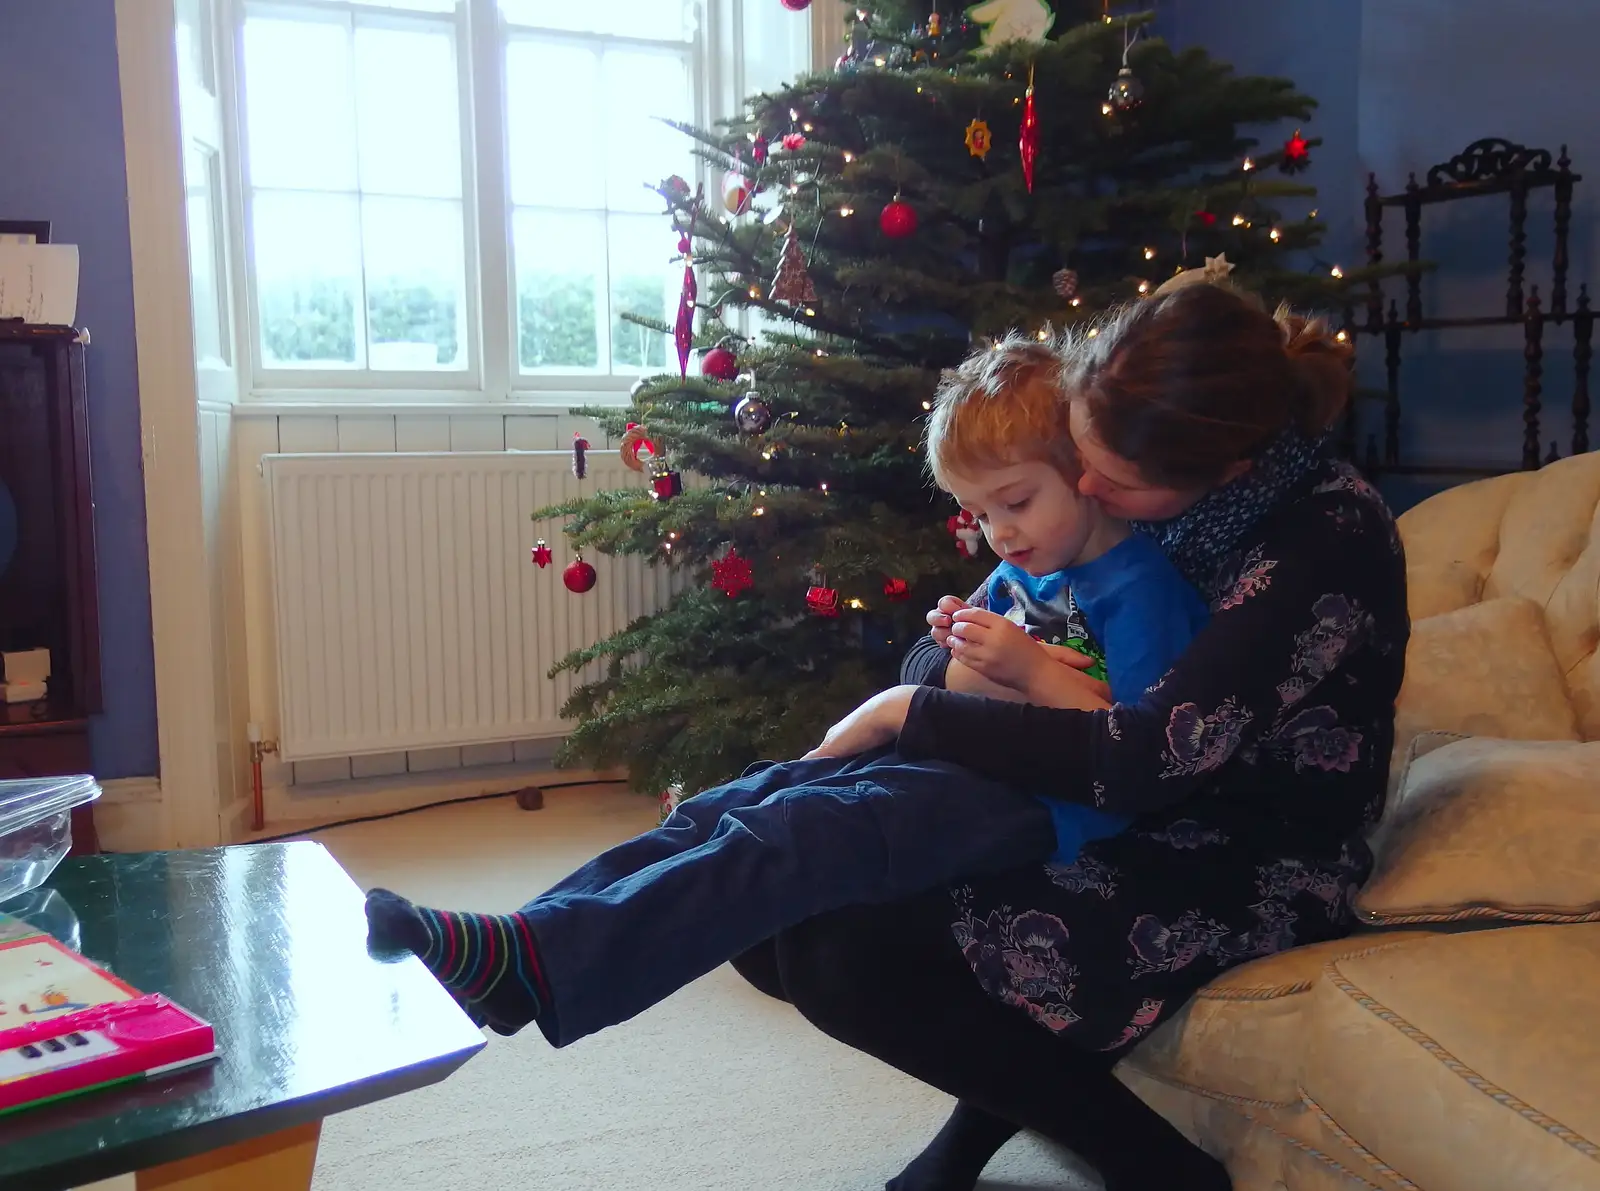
pixel 1131 608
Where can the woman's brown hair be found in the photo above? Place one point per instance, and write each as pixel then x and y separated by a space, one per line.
pixel 1186 383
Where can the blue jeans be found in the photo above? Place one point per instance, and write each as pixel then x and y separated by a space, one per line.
pixel 738 863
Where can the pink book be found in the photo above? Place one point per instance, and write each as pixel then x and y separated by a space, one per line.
pixel 68 1026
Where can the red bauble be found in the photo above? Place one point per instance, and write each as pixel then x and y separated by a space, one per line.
pixel 899 219
pixel 541 554
pixel 720 364
pixel 823 601
pixel 796 5
pixel 1206 218
pixel 732 574
pixel 897 590
pixel 579 576
pixel 793 142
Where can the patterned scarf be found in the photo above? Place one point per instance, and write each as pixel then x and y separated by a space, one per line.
pixel 1200 538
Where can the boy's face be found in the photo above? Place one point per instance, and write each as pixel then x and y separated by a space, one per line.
pixel 1030 513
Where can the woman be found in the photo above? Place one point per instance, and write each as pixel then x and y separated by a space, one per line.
pixel 1252 769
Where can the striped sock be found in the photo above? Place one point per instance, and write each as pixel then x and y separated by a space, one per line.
pixel 488 962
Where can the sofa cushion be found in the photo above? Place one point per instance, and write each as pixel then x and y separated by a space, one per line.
pixel 1483 670
pixel 1464 1061
pixel 1239 1039
pixel 1490 829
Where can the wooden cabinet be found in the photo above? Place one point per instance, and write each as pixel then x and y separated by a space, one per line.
pixel 47 558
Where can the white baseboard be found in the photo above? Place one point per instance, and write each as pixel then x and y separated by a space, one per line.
pixel 130 815
pixel 123 790
pixel 303 808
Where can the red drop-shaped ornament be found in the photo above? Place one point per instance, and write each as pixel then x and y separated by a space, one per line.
pixel 720 364
pixel 1207 218
pixel 579 576
pixel 899 219
pixel 897 590
pixel 1028 138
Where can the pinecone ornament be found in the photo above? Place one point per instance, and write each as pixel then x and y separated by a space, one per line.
pixel 1065 282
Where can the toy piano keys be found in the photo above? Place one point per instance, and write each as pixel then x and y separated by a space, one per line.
pixel 68 1026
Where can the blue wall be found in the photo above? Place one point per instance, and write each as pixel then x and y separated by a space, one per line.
pixel 1403 85
pixel 61 159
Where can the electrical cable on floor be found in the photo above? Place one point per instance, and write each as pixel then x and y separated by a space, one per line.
pixel 411 810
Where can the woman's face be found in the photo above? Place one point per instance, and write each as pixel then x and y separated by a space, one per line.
pixel 1116 483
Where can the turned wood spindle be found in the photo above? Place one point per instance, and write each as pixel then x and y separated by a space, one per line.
pixel 1533 372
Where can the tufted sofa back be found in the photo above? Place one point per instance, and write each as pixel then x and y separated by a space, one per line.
pixel 1533 535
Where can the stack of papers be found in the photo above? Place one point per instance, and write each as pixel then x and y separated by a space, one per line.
pixel 39 283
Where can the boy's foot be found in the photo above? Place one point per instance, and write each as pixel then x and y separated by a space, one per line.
pixel 488 962
pixel 956 1157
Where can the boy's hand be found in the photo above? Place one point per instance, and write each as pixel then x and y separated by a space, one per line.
pixel 939 620
pixel 996 648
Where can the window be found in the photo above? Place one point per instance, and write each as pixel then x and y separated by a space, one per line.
pixel 451 197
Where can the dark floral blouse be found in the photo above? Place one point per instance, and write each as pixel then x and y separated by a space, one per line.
pixel 1253 769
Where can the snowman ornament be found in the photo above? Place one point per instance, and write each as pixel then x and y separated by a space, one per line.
pixel 1012 20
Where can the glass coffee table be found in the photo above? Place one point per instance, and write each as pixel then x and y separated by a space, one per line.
pixel 267 942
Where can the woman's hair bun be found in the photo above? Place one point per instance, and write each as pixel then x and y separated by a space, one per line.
pixel 1321 360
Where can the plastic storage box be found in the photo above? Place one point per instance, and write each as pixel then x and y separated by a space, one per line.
pixel 36 828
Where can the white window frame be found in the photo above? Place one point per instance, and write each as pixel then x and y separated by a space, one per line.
pixel 493 378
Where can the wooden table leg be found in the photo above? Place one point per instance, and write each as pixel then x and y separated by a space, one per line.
pixel 278 1162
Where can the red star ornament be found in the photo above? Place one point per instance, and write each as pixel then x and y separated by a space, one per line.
pixel 732 574
pixel 541 554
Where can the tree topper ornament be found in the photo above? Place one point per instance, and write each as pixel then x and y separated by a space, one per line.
pixel 1215 272
pixel 1012 20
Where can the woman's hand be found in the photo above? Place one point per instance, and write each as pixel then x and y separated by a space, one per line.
pixel 939 620
pixel 875 723
pixel 997 648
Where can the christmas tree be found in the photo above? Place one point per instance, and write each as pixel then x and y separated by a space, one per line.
pixel 1022 166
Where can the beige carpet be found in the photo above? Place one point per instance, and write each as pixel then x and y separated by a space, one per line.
pixel 718 1087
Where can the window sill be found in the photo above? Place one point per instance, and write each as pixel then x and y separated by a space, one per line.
pixel 355 404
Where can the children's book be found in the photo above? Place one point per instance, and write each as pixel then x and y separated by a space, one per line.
pixel 68 1026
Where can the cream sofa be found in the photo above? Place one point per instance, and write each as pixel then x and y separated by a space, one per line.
pixel 1453 1044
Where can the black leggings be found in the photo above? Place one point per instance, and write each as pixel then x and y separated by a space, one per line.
pixel 889 981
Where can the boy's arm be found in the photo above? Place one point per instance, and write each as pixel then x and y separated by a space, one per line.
pixel 1147 628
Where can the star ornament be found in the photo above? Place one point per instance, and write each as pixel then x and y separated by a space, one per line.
pixel 732 574
pixel 979 139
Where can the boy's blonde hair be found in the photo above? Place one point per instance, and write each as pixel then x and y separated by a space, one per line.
pixel 1003 405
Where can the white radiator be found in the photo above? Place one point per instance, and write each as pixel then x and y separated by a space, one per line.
pixel 409 614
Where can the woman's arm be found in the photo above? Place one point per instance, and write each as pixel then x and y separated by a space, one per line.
pixel 1301 602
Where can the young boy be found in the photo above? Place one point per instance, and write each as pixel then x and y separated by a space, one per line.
pixel 736 864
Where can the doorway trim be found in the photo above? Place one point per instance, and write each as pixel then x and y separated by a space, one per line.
pixel 180 605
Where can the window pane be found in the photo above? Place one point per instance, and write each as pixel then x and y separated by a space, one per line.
pixel 556 129
pixel 411 5
pixel 640 88
pixel 298 100
pixel 643 281
pixel 308 278
pixel 668 20
pixel 560 270
pixel 205 287
pixel 193 19
pixel 407 112
pixel 416 284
